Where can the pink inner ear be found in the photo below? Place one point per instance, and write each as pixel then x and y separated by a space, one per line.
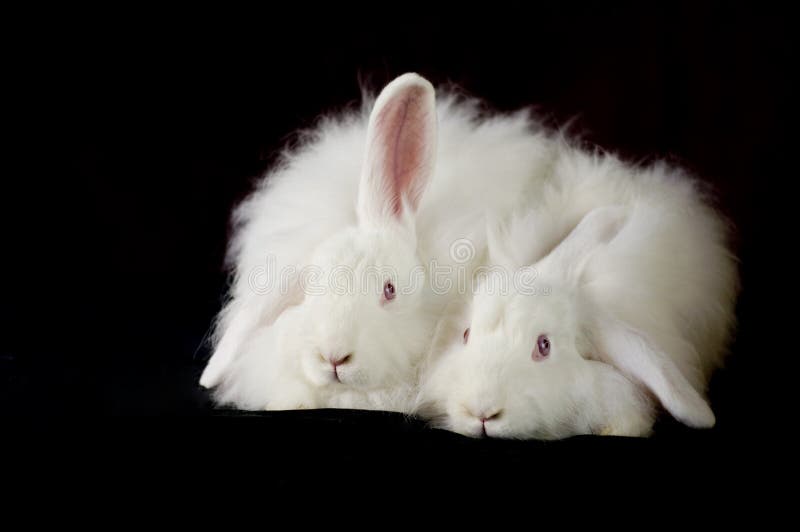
pixel 402 125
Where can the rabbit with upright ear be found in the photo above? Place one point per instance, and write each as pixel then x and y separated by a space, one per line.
pixel 366 214
pixel 632 309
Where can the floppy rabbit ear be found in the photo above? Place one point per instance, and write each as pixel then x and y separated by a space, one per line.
pixel 401 150
pixel 240 319
pixel 632 354
pixel 596 228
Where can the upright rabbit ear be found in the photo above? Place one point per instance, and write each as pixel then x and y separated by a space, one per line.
pixel 598 227
pixel 401 150
pixel 632 354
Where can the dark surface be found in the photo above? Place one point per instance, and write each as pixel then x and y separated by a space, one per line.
pixel 138 132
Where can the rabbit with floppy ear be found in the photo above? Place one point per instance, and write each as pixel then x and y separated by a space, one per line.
pixel 354 333
pixel 631 310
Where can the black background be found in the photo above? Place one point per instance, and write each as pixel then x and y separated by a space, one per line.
pixel 134 134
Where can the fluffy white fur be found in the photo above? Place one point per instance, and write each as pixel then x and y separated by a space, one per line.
pixel 393 185
pixel 637 300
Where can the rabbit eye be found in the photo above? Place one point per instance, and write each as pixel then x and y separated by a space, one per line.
pixel 466 335
pixel 388 291
pixel 542 348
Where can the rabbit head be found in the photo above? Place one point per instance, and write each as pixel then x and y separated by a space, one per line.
pixel 364 320
pixel 543 360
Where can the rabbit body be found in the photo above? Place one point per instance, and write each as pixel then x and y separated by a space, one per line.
pixel 636 299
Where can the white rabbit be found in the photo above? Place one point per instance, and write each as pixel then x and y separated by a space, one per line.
pixel 381 202
pixel 633 308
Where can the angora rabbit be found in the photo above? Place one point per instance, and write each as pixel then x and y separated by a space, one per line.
pixel 360 216
pixel 633 308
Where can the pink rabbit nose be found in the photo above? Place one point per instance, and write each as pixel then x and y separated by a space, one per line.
pixel 338 361
pixel 489 417
pixel 484 416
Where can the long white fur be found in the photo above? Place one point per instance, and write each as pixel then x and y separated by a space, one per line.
pixel 270 347
pixel 639 310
